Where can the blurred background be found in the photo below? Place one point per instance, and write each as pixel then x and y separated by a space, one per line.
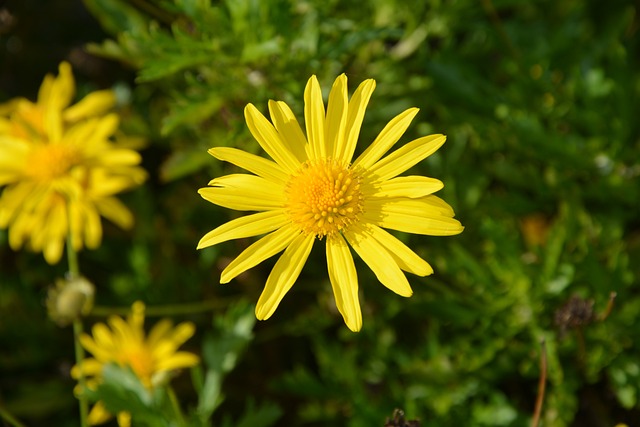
pixel 540 102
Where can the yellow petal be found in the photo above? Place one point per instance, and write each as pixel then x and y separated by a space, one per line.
pixel 98 414
pixel 357 107
pixel 115 211
pixel 14 197
pixel 64 87
pixel 76 223
pixel 264 248
pixel 404 186
pixel 244 193
pixel 314 119
pixel 159 332
pixel 284 275
pixel 107 126
pixel 92 227
pixel 102 335
pixel 420 216
pixel 344 281
pixel 94 104
pixel 13 151
pixel 45 89
pixel 56 232
pixel 119 157
pixel 406 259
pixel 246 226
pixel 104 184
pixel 379 260
pixel 124 332
pixel 269 139
pixel 287 126
pixel 386 139
pixel 88 367
pixel 59 94
pixel 405 157
pixel 337 118
pixel 124 419
pixel 182 333
pixel 179 360
pixel 98 352
pixel 430 205
pixel 262 167
pixel 53 125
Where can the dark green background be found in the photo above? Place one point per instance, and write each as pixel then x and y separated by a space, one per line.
pixel 540 104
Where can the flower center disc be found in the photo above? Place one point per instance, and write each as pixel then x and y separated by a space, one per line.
pixel 141 361
pixel 323 197
pixel 51 161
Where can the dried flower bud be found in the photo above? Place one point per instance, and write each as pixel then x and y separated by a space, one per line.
pixel 399 421
pixel 70 299
pixel 575 313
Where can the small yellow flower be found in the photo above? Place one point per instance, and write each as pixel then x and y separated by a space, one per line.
pixel 61 169
pixel 151 358
pixel 312 189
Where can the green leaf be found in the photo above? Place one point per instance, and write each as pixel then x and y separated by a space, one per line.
pixel 117 16
pixel 264 415
pixel 233 332
pixel 121 390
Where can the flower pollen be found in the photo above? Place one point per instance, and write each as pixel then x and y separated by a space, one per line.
pixel 323 197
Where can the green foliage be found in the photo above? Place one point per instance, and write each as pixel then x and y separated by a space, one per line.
pixel 220 353
pixel 539 101
pixel 122 391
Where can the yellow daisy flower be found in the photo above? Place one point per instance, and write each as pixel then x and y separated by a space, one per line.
pixel 312 189
pixel 151 358
pixel 60 169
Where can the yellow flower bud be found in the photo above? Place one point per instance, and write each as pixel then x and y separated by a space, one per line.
pixel 70 299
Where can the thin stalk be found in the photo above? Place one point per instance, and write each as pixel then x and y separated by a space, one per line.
pixel 607 310
pixel 74 271
pixel 72 255
pixel 164 310
pixel 84 405
pixel 176 407
pixel 6 416
pixel 541 385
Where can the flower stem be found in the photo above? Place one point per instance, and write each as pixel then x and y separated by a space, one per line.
pixel 74 271
pixel 176 407
pixel 84 406
pixel 6 416
pixel 165 310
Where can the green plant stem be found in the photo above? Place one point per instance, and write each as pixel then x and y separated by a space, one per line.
pixel 164 310
pixel 84 405
pixel 74 271
pixel 176 407
pixel 6 416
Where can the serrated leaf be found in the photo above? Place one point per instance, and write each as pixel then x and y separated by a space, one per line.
pixel 264 415
pixel 122 391
pixel 192 113
pixel 117 16
pixel 221 352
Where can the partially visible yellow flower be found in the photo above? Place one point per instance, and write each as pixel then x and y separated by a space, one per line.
pixel 152 358
pixel 313 189
pixel 61 169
